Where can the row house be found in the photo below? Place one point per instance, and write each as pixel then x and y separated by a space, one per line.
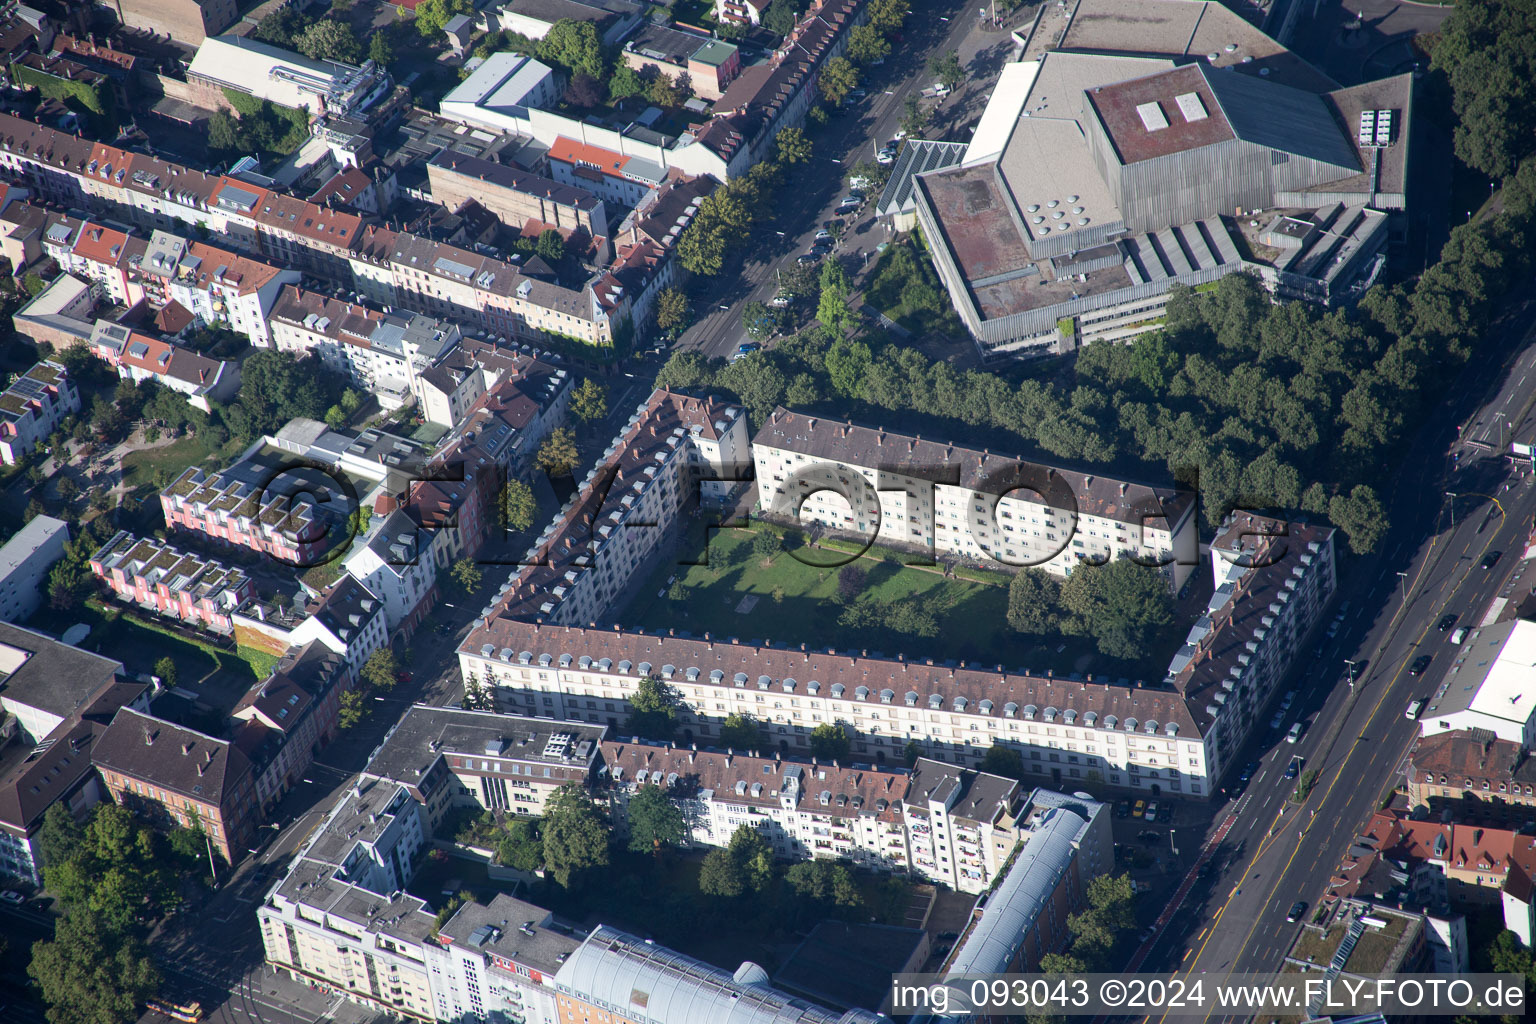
pixel 286 719
pixel 942 498
pixel 162 579
pixel 1176 735
pixel 1473 773
pixel 380 351
pixel 450 758
pixel 140 357
pixel 804 809
pixel 255 504
pixel 33 407
pixel 179 778
pixel 673 451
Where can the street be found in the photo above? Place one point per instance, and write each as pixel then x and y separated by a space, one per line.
pixel 855 134
pixel 1271 852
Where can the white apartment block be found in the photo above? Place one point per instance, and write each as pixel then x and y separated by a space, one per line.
pixel 395 562
pixel 804 809
pixel 498 960
pixel 673 449
pixel 25 561
pixel 340 918
pixel 381 352
pixel 945 499
pixel 961 825
pixel 1174 735
pixel 33 407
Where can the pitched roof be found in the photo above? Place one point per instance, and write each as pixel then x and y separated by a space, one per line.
pixel 171 757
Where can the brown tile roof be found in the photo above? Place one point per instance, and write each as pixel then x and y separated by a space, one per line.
pixel 180 760
pixel 1475 755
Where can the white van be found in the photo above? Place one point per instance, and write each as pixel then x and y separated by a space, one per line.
pixel 1412 714
pixel 1460 635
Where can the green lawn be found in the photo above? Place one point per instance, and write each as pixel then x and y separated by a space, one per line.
pixel 141 467
pixel 798 603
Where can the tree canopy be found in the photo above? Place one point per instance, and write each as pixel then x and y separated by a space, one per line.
pixel 575 835
pixel 655 822
pixel 1487 50
pixel 574 46
pixel 653 710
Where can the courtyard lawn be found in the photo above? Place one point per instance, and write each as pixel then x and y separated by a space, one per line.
pixel 142 466
pixel 742 595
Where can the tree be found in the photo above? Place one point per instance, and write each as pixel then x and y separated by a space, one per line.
pixel 1034 600
pixel 165 668
pixel 518 506
pixel 557 456
pixel 655 821
pixel 946 68
pixel 1123 606
pixel 659 91
pixel 672 311
pixel 830 742
pixel 574 46
pixel 887 15
pixel 740 732
pixel 380 51
pixel 1004 761
pixel 330 40
pixel 61 838
pixel 432 15
pixel 624 83
pixel 752 856
pixel 766 543
pixel 90 973
pixel 911 753
pixel 1109 915
pixel 381 670
pixel 866 44
pixel 914 116
pixel 466 573
pixel 793 146
pixel 718 875
pixel 832 309
pixel 550 247
pixel 779 17
pixel 1485 50
pixel 1361 517
pixel 851 581
pixel 653 710
pixel 584 91
pixel 682 89
pixel 335 418
pixel 589 401
pixel 575 835
pixel 839 77
pixel 350 709
pixel 521 847
pixel 33 283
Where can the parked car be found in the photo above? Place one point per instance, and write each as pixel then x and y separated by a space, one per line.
pixel 1294 736
pixel 1139 809
pixel 1278 721
pixel 1122 808
pixel 1445 623
pixel 13 897
pixel 857 94
pixel 884 158
pixel 1420 664
pixel 807 258
pixel 823 235
pixel 1491 559
pixel 1152 811
pixel 1297 910
pixel 940 89
pixel 747 348
pixel 781 300
pixel 1288 700
pixel 901 133
pixel 1414 707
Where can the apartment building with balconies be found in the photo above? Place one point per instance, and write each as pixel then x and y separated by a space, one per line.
pixel 947 499
pixel 33 407
pixel 160 578
pixel 499 960
pixel 804 808
pixel 961 824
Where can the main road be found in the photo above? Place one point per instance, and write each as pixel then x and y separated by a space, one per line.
pixel 1468 502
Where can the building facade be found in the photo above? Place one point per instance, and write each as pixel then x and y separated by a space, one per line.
pixel 25 561
pixel 159 578
pixel 33 407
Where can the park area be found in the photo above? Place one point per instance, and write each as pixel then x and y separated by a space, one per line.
pixel 755 584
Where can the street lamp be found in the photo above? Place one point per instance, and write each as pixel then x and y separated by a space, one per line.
pixel 1171 843
pixel 1452 495
pixel 1404 577
pixel 1351 663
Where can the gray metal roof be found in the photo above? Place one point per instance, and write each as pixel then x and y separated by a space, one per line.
pixel 1279 117
pixel 40 531
pixel 647 983
pixel 918 156
pixel 1016 902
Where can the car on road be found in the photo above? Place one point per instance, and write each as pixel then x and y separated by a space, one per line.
pixel 1152 811
pixel 1276 723
pixel 1294 736
pixel 1294 768
pixel 1297 910
pixel 1122 809
pixel 1249 771
pixel 1420 664
pixel 1412 714
pixel 1139 809
pixel 1458 636
pixel 1287 700
pixel 1445 623
pixel 806 258
pixel 13 897
pixel 1491 559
